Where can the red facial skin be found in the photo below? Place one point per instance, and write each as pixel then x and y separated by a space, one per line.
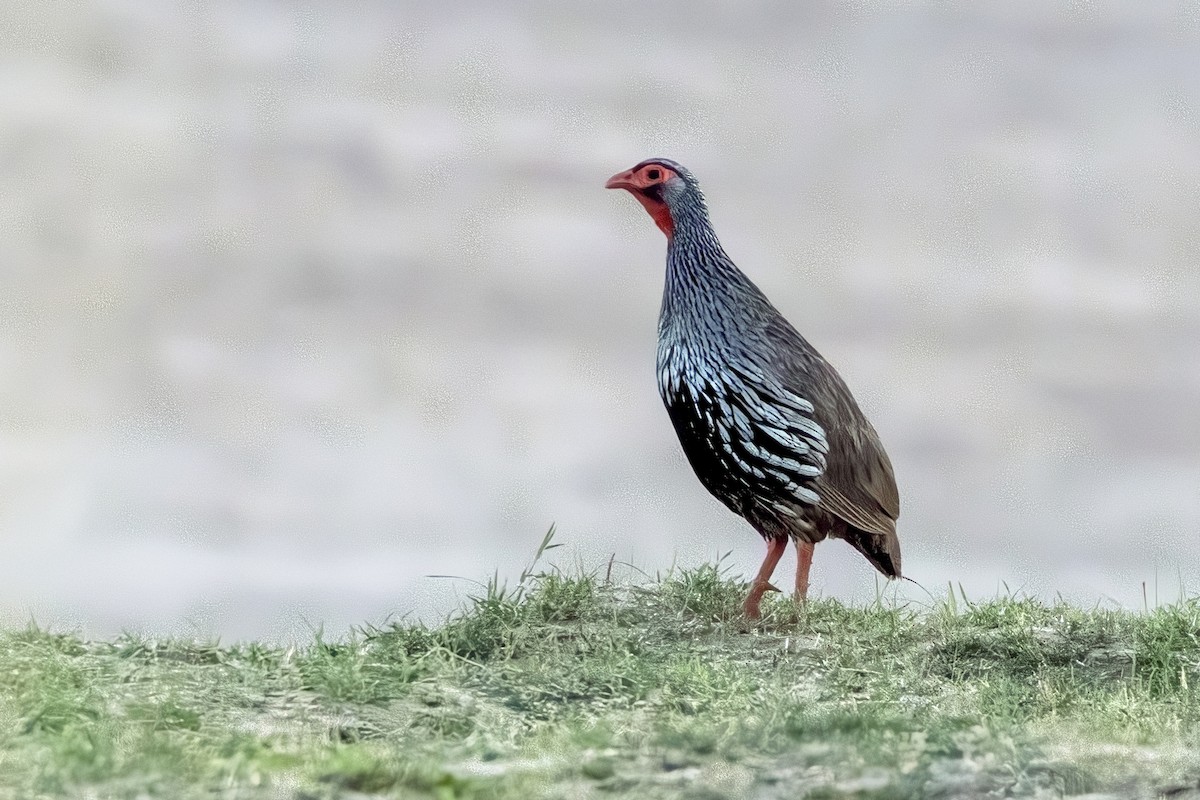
pixel 636 181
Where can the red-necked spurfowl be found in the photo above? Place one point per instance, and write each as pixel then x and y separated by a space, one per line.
pixel 767 424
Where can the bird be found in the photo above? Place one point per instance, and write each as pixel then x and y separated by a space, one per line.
pixel 767 424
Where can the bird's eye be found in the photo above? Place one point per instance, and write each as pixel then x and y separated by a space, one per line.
pixel 653 174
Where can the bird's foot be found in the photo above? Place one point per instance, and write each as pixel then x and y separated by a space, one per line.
pixel 751 607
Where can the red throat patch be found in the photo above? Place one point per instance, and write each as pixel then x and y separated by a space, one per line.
pixel 658 212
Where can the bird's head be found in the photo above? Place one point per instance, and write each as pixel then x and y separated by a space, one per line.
pixel 662 187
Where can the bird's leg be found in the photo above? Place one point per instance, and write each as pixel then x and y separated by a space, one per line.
pixel 804 554
pixel 762 582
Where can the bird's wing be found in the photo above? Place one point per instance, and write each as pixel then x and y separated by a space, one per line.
pixel 857 484
pixel 861 489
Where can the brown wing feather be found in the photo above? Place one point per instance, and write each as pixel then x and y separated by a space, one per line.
pixel 861 490
pixel 859 485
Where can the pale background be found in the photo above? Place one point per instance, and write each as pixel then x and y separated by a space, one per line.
pixel 303 302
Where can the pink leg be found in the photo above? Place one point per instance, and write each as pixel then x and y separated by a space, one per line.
pixel 762 582
pixel 804 554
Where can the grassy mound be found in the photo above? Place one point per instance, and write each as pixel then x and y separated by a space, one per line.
pixel 569 686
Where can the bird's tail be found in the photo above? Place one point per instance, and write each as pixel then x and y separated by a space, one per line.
pixel 882 551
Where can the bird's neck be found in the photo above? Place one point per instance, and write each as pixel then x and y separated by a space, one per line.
pixel 704 288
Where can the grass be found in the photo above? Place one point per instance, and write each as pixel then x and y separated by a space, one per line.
pixel 570 686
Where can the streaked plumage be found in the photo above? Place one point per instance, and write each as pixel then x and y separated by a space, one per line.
pixel 767 424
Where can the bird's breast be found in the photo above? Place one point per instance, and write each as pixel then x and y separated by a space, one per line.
pixel 744 449
pixel 683 369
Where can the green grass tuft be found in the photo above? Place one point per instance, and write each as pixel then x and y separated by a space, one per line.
pixel 568 684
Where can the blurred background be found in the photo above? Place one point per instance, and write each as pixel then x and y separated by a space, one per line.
pixel 303 302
